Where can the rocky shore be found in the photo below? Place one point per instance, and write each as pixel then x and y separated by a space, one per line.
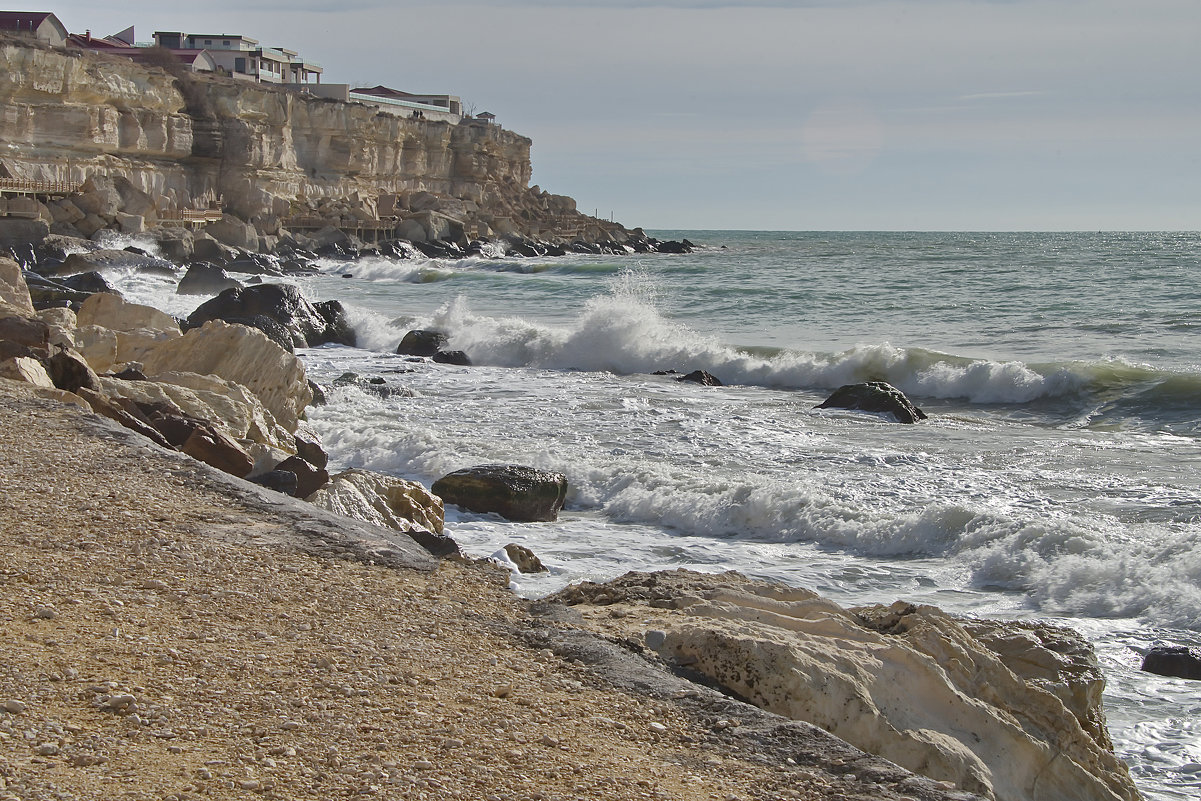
pixel 183 628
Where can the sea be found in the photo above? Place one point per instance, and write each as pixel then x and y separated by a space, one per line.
pixel 1058 477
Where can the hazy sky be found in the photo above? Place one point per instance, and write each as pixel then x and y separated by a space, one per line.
pixel 917 114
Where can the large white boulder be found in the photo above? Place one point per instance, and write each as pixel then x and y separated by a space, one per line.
pixel 14 292
pixel 242 355
pixel 909 683
pixel 114 313
pixel 228 405
pixel 383 500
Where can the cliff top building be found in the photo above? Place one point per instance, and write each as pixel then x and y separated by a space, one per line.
pixel 40 25
pixel 243 57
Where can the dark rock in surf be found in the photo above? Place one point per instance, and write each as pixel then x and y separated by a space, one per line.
pixel 673 247
pixel 305 324
pixel 100 260
pixel 703 378
pixel 452 357
pixel 874 396
pixel 1176 661
pixel 520 494
pixel 203 278
pixel 421 342
pixel 375 385
pixel 89 282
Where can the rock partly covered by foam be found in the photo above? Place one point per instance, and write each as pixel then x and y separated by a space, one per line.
pixel 909 683
pixel 874 396
pixel 242 355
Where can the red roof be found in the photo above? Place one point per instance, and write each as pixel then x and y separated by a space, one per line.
pixel 22 20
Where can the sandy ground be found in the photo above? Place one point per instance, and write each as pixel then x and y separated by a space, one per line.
pixel 166 633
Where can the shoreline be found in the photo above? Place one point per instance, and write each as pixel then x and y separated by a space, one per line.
pixel 170 641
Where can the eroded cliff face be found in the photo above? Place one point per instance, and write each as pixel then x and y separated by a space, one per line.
pixel 270 155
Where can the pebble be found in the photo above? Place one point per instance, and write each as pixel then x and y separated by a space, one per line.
pixel 46 749
pixel 45 613
pixel 657 728
pixel 14 707
pixel 655 639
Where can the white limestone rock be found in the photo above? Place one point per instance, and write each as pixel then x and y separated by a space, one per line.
pixel 27 370
pixel 244 356
pixel 383 500
pixel 14 293
pixel 228 405
pixel 113 312
pixel 909 683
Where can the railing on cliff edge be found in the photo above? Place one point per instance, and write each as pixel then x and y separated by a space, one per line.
pixel 23 186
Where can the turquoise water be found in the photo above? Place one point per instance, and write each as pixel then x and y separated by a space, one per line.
pixel 1057 477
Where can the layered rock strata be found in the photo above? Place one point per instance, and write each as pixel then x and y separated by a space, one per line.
pixel 147 142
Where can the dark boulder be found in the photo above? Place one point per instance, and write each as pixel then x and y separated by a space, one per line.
pixel 874 396
pixel 673 247
pixel 311 451
pixel 89 283
pixel 452 357
pixel 283 481
pixel 70 371
pixel 306 324
pixel 203 278
pixel 113 409
pixel 49 293
pixel 25 332
pixel 254 264
pixel 421 342
pixel 521 494
pixel 703 378
pixel 309 479
pixel 214 448
pixel 101 260
pixel 1176 661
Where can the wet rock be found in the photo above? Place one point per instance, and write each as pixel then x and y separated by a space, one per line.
pixel 703 378
pixel 421 342
pixel 1176 661
pixel 452 357
pixel 306 324
pixel 874 396
pixel 203 278
pixel 375 385
pixel 105 259
pixel 522 494
pixel 525 559
pixel 89 282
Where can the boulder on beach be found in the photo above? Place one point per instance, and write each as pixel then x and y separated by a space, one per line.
pixel 521 494
pixel 874 396
pixel 381 500
pixel 107 259
pixel 307 324
pixel 14 293
pixel 1009 711
pixel 241 355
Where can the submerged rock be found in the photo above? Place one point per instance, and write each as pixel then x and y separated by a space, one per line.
pixel 526 560
pixel 874 396
pixel 522 494
pixel 703 378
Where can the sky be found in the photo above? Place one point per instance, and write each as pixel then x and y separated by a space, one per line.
pixel 778 115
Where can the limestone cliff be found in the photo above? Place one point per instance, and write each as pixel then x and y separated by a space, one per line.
pixel 271 156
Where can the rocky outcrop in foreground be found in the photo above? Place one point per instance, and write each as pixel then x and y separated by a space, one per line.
pixel 1011 711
